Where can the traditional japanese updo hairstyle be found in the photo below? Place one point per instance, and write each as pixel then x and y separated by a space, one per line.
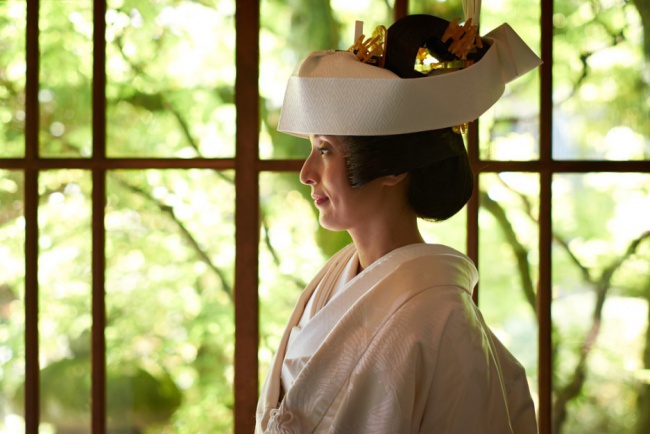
pixel 438 187
pixel 440 178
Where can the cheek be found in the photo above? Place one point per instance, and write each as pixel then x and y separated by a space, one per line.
pixel 355 202
pixel 338 182
pixel 367 198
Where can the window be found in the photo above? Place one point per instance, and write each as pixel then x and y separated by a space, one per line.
pixel 154 236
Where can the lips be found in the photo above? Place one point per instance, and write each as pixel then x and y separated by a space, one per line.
pixel 319 199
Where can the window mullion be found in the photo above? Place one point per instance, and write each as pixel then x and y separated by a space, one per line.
pixel 545 220
pixel 473 204
pixel 247 19
pixel 98 389
pixel 400 9
pixel 32 389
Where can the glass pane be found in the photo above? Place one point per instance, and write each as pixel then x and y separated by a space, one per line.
pixel 170 316
pixel 170 78
pixel 289 31
pixel 12 302
pixel 293 247
pixel 508 263
pixel 510 129
pixel 451 232
pixel 64 274
pixel 447 9
pixel 12 78
pixel 65 92
pixel 600 79
pixel 601 289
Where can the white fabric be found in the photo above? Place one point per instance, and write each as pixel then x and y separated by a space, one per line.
pixel 323 293
pixel 333 93
pixel 401 349
pixel 472 10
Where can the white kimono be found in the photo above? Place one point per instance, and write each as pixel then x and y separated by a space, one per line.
pixel 400 348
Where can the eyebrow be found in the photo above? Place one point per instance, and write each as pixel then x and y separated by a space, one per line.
pixel 326 139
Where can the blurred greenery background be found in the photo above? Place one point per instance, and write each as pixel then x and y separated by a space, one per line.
pixel 170 233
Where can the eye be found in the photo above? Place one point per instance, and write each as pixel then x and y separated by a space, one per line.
pixel 323 149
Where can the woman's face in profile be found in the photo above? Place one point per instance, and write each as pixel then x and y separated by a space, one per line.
pixel 340 206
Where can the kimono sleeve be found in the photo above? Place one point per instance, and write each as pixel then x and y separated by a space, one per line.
pixel 467 392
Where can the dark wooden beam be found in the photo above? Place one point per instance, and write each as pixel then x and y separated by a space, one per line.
pixel 32 389
pixel 98 340
pixel 548 166
pixel 247 19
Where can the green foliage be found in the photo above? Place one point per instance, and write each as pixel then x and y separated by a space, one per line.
pixel 447 9
pixel 65 79
pixel 159 261
pixel 170 69
pixel 600 289
pixel 596 45
pixel 136 399
pixel 170 233
pixel 12 78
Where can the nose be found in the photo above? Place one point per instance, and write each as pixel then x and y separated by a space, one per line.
pixel 308 173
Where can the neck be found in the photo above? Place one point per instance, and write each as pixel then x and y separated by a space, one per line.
pixel 376 239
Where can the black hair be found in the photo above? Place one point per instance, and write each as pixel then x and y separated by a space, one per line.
pixel 439 182
pixel 440 175
pixel 407 35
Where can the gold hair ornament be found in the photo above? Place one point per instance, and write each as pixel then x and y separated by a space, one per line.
pixel 426 64
pixel 465 38
pixel 460 129
pixel 373 49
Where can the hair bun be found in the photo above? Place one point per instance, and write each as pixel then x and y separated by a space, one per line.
pixel 407 35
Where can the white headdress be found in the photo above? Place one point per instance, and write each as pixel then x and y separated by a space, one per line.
pixel 340 93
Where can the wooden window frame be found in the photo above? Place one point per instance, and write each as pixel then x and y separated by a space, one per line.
pixel 248 166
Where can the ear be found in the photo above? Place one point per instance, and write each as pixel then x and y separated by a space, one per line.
pixel 392 180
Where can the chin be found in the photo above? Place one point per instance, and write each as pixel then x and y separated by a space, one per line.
pixel 330 225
